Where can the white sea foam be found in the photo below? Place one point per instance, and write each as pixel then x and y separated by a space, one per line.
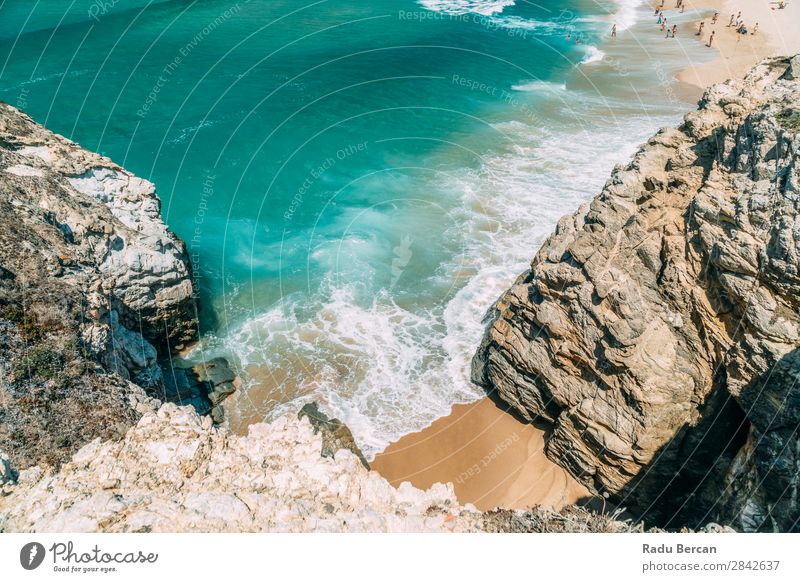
pixel 540 86
pixel 187 132
pixel 485 7
pixel 593 55
pixel 386 368
pixel 627 13
pixel 517 23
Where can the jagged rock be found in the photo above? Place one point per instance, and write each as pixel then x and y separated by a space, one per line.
pixel 93 290
pixel 658 328
pixel 335 434
pixel 204 385
pixel 174 471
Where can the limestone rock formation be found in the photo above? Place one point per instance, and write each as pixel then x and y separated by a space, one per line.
pixel 93 290
pixel 174 471
pixel 658 328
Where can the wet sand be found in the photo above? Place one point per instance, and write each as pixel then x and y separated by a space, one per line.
pixel 492 458
pixel 778 34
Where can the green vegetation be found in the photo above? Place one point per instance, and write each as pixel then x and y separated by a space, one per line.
pixel 39 361
pixel 789 119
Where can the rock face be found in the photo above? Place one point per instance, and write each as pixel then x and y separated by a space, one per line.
pixel 93 290
pixel 175 472
pixel 335 434
pixel 658 328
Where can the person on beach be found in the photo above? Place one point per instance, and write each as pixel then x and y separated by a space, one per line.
pixel 755 28
pixel 700 30
pixel 714 18
pixel 711 38
pixel 674 30
pixel 578 39
pixel 731 21
pixel 660 18
pixel 614 31
pixel 683 8
pixel 569 36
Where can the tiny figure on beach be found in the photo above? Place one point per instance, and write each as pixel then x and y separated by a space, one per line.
pixel 683 8
pixel 674 30
pixel 711 38
pixel 700 30
pixel 660 18
pixel 578 39
pixel 714 18
pixel 755 28
pixel 569 36
pixel 614 31
pixel 663 25
pixel 733 17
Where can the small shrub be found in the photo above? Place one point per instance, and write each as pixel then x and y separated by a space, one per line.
pixel 39 361
pixel 789 119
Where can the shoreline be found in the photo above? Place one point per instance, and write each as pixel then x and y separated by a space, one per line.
pixel 492 458
pixel 456 448
pixel 735 53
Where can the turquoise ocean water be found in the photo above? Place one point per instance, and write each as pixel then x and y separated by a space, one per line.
pixel 356 181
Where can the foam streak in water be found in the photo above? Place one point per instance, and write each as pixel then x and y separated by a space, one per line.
pixel 485 7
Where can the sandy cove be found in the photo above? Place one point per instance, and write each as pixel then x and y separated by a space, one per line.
pixel 492 458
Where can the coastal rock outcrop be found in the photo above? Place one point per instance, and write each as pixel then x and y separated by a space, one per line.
pixel 335 434
pixel 94 290
pixel 658 328
pixel 176 471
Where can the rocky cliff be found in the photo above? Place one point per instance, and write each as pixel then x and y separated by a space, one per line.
pixel 657 329
pixel 93 291
pixel 175 471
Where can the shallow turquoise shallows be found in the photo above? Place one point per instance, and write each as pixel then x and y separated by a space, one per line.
pixel 356 180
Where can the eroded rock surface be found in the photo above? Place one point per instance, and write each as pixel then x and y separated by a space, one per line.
pixel 93 290
pixel 174 471
pixel 658 327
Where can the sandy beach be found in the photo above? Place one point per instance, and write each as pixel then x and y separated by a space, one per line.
pixel 778 33
pixel 492 458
